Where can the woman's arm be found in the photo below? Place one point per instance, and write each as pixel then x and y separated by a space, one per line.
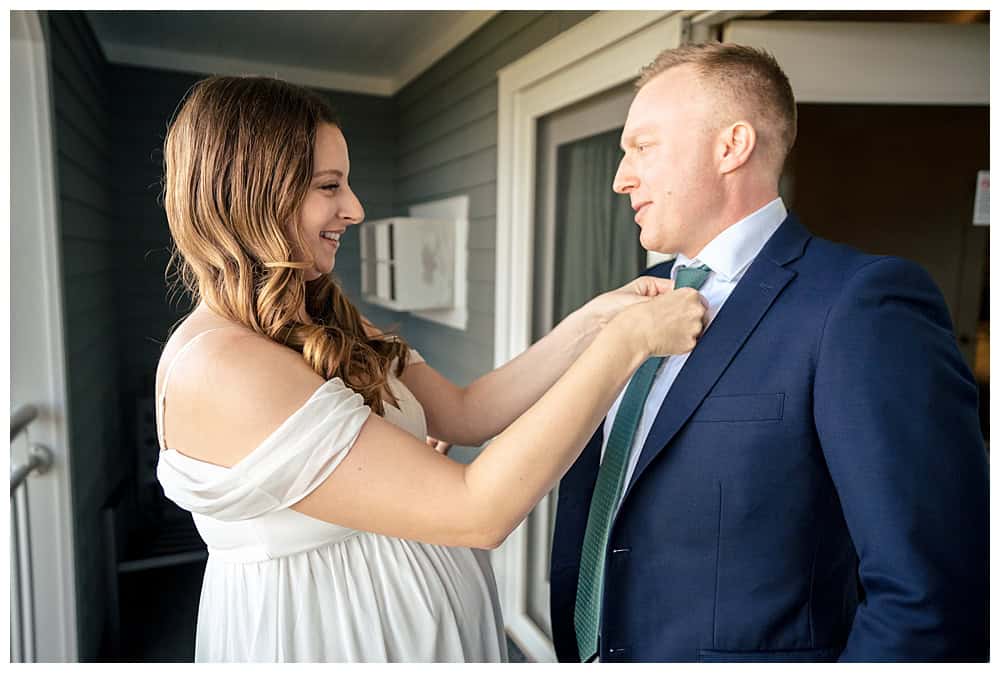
pixel 472 415
pixel 390 484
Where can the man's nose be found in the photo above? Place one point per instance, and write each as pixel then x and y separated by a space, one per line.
pixel 625 180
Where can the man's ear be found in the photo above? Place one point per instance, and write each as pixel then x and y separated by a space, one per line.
pixel 736 144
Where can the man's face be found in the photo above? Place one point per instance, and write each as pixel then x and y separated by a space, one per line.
pixel 668 169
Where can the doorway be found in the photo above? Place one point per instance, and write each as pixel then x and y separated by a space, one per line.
pixel 901 180
pixel 893 132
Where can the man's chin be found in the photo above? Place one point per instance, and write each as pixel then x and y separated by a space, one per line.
pixel 653 245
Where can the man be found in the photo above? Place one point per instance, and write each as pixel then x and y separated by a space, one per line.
pixel 810 483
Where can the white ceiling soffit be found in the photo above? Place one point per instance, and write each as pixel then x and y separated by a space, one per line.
pixel 373 52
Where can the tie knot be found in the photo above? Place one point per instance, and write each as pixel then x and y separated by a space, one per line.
pixel 691 276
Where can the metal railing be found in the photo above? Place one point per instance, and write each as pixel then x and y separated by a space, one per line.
pixel 20 419
pixel 22 613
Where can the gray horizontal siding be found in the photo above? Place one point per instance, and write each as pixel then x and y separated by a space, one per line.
pixel 466 112
pixel 473 170
pixel 83 159
pixel 483 232
pixel 508 36
pixel 144 101
pixel 82 183
pixel 479 134
pixel 487 39
pixel 446 146
pixel 83 220
pixel 482 199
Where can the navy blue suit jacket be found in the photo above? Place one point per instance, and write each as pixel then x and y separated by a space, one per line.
pixel 814 486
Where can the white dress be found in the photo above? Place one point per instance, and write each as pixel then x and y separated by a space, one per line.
pixel 282 586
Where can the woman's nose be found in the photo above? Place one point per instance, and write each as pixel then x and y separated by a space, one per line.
pixel 352 211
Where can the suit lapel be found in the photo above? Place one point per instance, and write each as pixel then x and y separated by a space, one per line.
pixel 749 302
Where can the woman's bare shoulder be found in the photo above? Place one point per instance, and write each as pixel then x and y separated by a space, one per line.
pixel 230 390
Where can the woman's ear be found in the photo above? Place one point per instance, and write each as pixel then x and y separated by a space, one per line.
pixel 736 144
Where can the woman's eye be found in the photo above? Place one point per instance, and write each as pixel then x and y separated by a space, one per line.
pixel 642 148
pixel 332 186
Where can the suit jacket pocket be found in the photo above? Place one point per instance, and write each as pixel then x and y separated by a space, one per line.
pixel 826 654
pixel 740 408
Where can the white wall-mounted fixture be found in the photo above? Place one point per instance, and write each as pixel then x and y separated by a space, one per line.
pixel 408 263
pixel 456 209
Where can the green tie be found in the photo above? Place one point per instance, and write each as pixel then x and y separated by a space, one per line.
pixel 610 479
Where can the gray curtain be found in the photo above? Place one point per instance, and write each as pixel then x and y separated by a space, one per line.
pixel 597 240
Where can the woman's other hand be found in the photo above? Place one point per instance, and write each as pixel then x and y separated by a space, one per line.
pixel 668 324
pixel 602 308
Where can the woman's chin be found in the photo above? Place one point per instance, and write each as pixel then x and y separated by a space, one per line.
pixel 320 270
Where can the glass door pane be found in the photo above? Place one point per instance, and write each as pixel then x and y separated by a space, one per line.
pixel 586 242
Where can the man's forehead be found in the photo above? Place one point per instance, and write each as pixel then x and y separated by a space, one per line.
pixel 646 115
pixel 632 131
pixel 674 93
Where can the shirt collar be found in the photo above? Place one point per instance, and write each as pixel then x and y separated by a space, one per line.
pixel 731 252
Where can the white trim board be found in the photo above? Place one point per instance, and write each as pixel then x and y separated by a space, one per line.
pixel 437 46
pixel 209 64
pixel 440 46
pixel 876 63
pixel 38 374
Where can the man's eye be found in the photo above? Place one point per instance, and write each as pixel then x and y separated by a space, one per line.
pixel 642 147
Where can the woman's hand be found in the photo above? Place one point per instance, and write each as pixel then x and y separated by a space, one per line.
pixel 602 308
pixel 667 324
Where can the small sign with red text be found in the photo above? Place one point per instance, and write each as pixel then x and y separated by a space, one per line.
pixel 981 209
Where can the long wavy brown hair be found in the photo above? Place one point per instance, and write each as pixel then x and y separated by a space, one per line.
pixel 238 162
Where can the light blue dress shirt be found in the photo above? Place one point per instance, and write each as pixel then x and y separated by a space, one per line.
pixel 728 255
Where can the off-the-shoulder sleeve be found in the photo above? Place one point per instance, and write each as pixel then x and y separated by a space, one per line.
pixel 283 469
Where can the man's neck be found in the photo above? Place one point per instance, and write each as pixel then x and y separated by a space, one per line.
pixel 733 211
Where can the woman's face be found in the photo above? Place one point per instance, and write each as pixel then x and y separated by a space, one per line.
pixel 330 207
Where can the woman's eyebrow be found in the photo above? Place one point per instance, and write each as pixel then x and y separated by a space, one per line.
pixel 332 171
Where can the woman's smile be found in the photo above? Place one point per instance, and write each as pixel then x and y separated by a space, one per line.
pixel 331 238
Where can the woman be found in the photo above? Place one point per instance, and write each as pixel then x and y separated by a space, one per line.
pixel 294 430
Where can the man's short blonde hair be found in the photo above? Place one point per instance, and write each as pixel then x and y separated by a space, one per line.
pixel 749 78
